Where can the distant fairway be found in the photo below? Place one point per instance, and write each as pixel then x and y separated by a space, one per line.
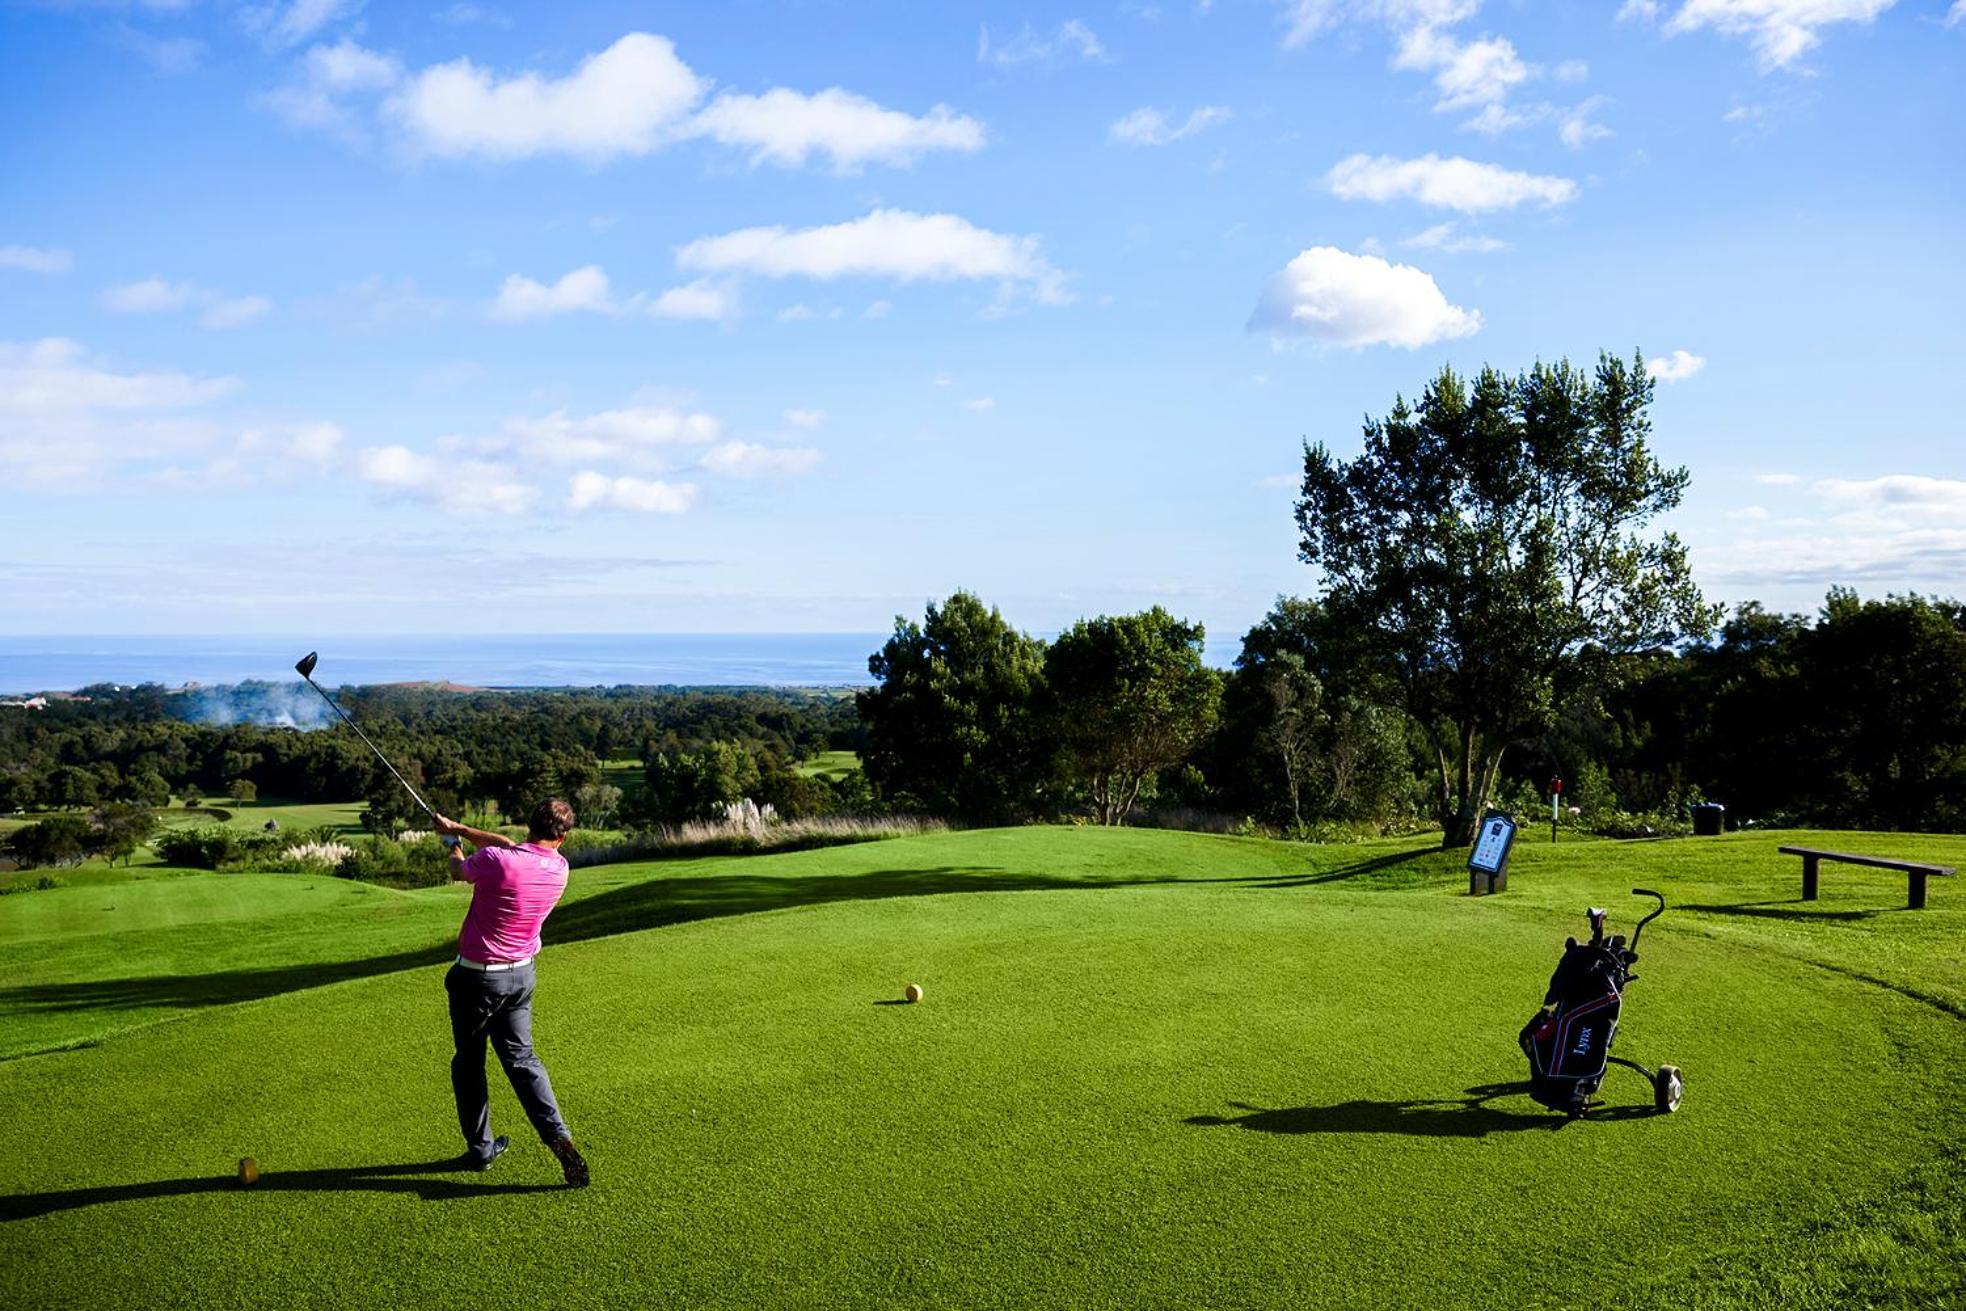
pixel 1151 1069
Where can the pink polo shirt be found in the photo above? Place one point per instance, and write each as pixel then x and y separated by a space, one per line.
pixel 513 890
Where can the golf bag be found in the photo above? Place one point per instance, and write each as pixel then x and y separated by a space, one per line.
pixel 1568 1042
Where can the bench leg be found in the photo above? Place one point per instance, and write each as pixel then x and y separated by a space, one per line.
pixel 1917 890
pixel 1809 878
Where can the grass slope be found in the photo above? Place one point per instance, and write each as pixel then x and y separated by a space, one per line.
pixel 1152 1069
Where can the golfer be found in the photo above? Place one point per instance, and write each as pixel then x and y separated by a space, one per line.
pixel 514 886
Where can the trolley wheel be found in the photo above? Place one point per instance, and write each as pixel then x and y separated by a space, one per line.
pixel 1667 1088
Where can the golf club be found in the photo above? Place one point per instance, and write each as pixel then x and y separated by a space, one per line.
pixel 305 668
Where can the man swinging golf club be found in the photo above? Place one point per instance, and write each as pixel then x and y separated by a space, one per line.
pixel 514 886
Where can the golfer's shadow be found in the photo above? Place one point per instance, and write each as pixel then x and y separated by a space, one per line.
pixel 409 1177
pixel 1447 1117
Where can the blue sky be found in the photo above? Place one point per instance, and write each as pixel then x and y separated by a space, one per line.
pixel 744 317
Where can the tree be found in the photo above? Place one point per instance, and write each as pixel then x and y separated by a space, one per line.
pixel 121 829
pixel 952 727
pixel 57 840
pixel 242 790
pixel 191 795
pixel 1128 697
pixel 1489 552
pixel 696 785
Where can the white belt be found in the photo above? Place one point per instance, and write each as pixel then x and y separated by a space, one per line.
pixel 492 967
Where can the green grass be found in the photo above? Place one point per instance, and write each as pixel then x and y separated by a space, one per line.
pixel 831 765
pixel 1152 1069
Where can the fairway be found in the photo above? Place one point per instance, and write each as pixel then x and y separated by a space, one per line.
pixel 1150 1069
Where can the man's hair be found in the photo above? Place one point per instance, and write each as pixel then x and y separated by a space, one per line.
pixel 552 819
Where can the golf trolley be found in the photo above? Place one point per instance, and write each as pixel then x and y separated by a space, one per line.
pixel 1568 1042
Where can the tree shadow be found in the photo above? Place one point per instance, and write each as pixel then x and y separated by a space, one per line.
pixel 1451 1117
pixel 407 1177
pixel 1790 910
pixel 1354 870
pixel 651 903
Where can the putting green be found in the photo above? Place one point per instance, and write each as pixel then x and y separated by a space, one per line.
pixel 1234 1089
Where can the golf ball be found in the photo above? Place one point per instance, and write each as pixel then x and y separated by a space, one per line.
pixel 914 992
pixel 248 1172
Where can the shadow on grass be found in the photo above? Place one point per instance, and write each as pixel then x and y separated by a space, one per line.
pixel 1790 910
pixel 1450 1117
pixel 409 1177
pixel 1354 870
pixel 645 905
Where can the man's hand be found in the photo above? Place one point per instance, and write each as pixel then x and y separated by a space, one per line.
pixel 477 837
pixel 448 828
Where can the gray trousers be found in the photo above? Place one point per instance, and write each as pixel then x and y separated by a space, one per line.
pixel 496 1007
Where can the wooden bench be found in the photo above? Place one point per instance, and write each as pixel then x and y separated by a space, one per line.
pixel 1913 870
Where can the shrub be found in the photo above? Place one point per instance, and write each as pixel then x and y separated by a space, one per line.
pixel 710 838
pixel 57 840
pixel 420 864
pixel 213 846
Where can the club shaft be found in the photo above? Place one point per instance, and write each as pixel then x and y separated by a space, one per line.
pixel 371 746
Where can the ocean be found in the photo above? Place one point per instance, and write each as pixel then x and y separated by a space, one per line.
pixel 50 664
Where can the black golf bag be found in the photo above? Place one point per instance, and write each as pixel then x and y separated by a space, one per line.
pixel 1568 1042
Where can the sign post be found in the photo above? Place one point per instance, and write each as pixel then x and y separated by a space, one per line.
pixel 1556 796
pixel 1488 863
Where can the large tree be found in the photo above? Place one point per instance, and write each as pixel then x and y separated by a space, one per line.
pixel 952 726
pixel 1492 548
pixel 1129 696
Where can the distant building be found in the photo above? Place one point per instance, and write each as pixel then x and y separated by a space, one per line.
pixel 31 703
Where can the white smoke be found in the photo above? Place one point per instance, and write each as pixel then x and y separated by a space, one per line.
pixel 272 705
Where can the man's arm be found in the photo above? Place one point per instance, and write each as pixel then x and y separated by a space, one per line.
pixel 477 837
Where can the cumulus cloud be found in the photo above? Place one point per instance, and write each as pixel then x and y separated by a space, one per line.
pixel 805 418
pixel 36 259
pixel 1577 128
pixel 1456 183
pixel 785 127
pixel 1149 127
pixel 295 22
pixel 887 243
pixel 1342 299
pixel 1781 32
pixel 638 436
pixel 981 405
pixel 156 296
pixel 634 98
pixel 1072 41
pixel 584 289
pixel 751 460
pixel 1676 367
pixel 699 300
pixel 597 491
pixel 1467 74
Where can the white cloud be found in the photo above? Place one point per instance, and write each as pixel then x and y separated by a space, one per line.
pixel 699 300
pixel 1448 239
pixel 1149 127
pixel 1072 40
pixel 1777 479
pixel 395 466
pixel 1781 31
pixel 292 23
pixel 456 484
pixel 887 243
pixel 800 313
pixel 633 98
pixel 1343 299
pixel 981 405
pixel 584 289
pixel 1895 530
pixel 150 296
pixel 36 259
pixel 805 418
pixel 156 296
pixel 878 309
pixel 55 374
pixel 1456 183
pixel 590 490
pixel 750 460
pixel 235 312
pixel 629 99
pixel 1897 496
pixel 1957 14
pixel 1304 19
pixel 1750 514
pixel 1577 128
pixel 1676 367
pixel 639 436
pixel 1571 70
pixel 1467 74
pixel 785 127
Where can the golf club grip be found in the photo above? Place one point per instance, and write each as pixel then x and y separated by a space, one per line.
pixel 332 705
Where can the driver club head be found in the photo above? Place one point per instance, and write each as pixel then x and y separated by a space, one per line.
pixel 305 665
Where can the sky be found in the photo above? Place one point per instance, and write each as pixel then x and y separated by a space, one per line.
pixel 608 317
